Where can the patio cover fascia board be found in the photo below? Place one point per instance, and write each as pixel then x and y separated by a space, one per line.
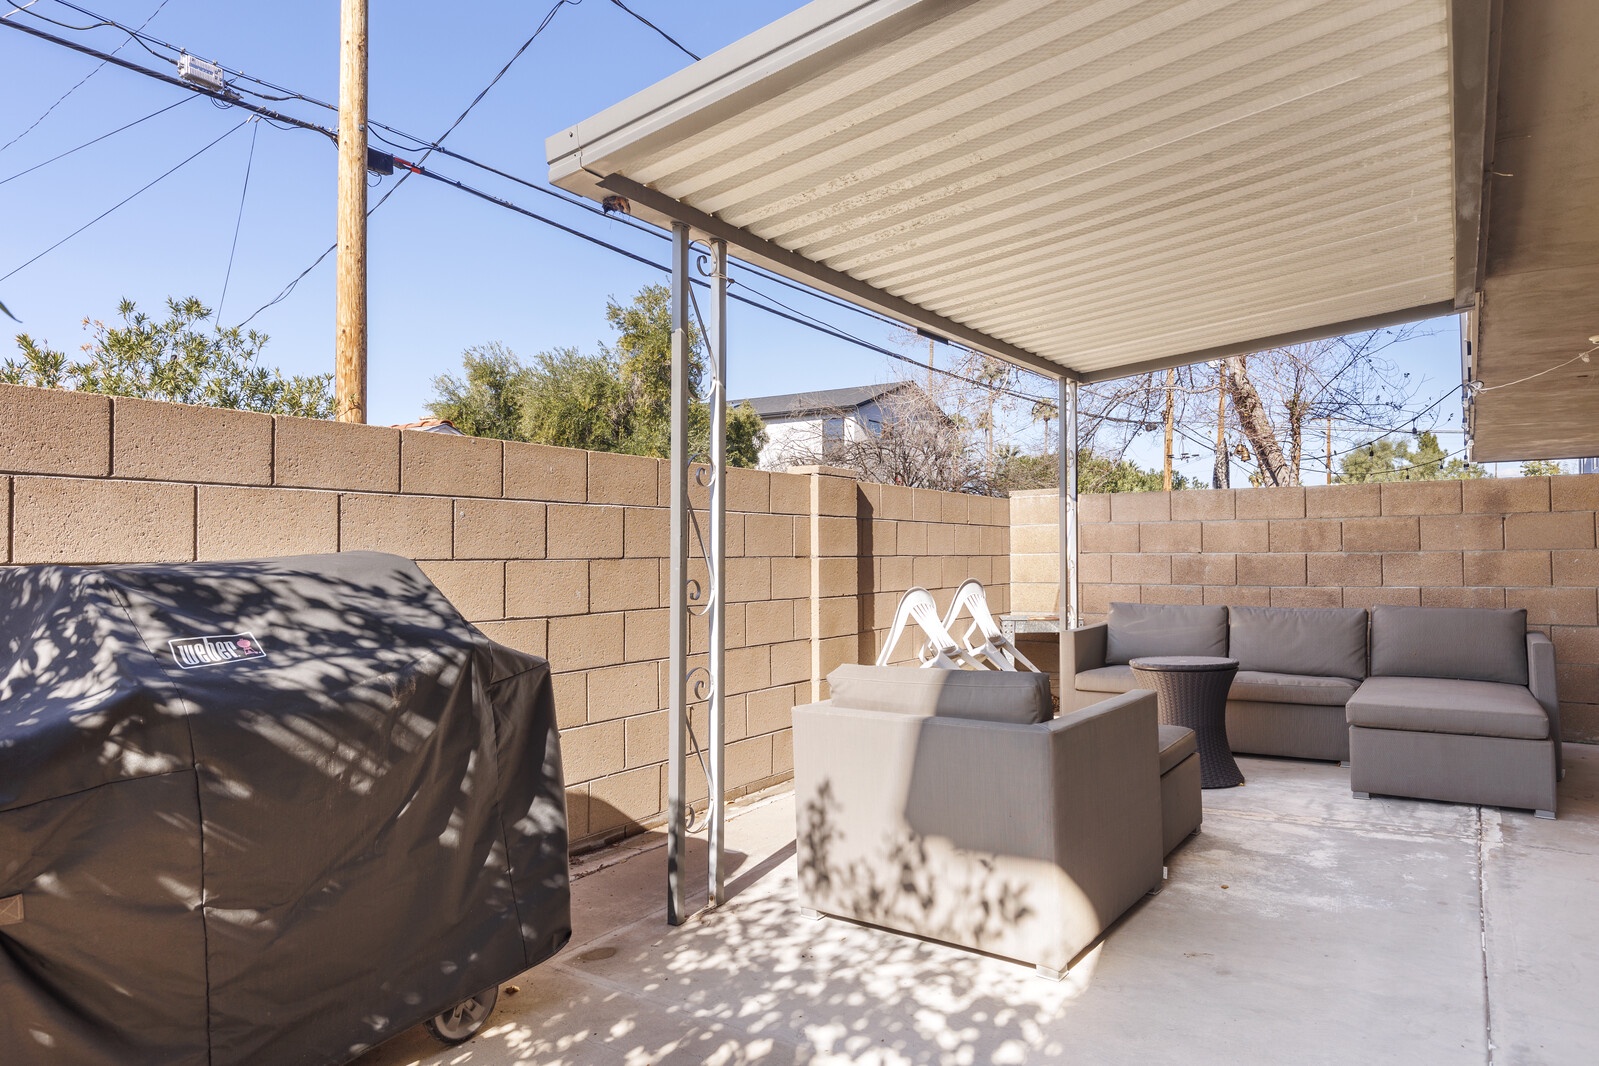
pixel 664 211
pixel 593 159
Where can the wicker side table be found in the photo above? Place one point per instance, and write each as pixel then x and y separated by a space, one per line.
pixel 1192 692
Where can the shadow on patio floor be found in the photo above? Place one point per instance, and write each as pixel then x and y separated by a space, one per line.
pixel 1301 924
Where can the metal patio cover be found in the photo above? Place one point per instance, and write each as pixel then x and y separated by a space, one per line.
pixel 1091 189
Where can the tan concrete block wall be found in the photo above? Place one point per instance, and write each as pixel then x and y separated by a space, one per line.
pixel 1505 542
pixel 557 552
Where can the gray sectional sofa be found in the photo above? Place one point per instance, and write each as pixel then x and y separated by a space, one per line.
pixel 1297 667
pixel 951 805
pixel 1460 706
pixel 1426 702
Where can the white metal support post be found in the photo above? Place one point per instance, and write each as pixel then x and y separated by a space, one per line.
pixel 1070 589
pixel 677 650
pixel 717 397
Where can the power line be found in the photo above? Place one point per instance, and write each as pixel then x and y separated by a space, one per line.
pixel 419 144
pixel 249 162
pixel 81 81
pixel 675 43
pixel 119 203
pixel 97 140
pixel 232 101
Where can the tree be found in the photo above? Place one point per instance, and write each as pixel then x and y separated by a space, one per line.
pixel 618 400
pixel 1541 468
pixel 1095 473
pixel 917 444
pixel 1390 460
pixel 486 401
pixel 177 360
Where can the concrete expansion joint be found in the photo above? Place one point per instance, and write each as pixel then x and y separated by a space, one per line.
pixel 1482 929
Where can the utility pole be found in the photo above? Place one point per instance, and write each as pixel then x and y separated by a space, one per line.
pixel 1219 478
pixel 1329 449
pixel 1171 403
pixel 350 320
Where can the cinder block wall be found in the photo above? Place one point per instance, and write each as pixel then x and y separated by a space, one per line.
pixel 1504 542
pixel 554 551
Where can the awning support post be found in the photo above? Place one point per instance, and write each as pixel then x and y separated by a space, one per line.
pixel 716 396
pixel 1070 590
pixel 677 648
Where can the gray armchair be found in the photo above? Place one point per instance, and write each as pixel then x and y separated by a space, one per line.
pixel 1024 838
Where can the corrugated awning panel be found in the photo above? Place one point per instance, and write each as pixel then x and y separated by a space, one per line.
pixel 1107 183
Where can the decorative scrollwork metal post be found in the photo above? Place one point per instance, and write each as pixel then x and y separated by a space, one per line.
pixel 688 598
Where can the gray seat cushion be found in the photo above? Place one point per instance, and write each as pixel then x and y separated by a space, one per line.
pixel 1262 687
pixel 1472 644
pixel 1018 697
pixel 1324 641
pixel 1135 629
pixel 1440 705
pixel 1117 678
pixel 1176 744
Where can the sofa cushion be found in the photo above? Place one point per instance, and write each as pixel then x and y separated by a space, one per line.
pixel 1446 705
pixel 1018 697
pixel 1136 629
pixel 1324 641
pixel 1117 678
pixel 1261 687
pixel 1177 742
pixel 1471 644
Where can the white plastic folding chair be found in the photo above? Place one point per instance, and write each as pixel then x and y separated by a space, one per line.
pixel 991 645
pixel 939 649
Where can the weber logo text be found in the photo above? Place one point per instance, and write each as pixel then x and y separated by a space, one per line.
pixel 192 653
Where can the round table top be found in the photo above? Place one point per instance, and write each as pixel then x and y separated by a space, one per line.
pixel 1176 663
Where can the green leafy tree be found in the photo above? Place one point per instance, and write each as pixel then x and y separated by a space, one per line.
pixel 1541 468
pixel 1095 473
pixel 1390 460
pixel 619 400
pixel 176 359
pixel 486 400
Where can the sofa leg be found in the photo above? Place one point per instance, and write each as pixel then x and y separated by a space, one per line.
pixel 806 912
pixel 1361 795
pixel 1545 814
pixel 1047 974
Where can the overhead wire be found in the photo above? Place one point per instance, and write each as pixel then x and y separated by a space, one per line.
pixel 422 144
pixel 97 140
pixel 81 81
pixel 673 41
pixel 170 79
pixel 781 310
pixel 165 174
pixel 415 168
pixel 238 221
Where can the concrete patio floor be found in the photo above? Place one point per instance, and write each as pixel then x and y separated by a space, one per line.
pixel 1300 925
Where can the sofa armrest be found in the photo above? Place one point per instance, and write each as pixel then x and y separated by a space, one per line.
pixel 1541 680
pixel 1107 798
pixel 1083 648
pixel 1021 840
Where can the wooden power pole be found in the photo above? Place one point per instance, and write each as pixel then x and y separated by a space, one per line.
pixel 1329 450
pixel 1219 478
pixel 350 342
pixel 1171 404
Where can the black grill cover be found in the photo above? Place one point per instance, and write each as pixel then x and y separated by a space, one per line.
pixel 263 812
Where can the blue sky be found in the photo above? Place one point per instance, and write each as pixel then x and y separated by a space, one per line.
pixel 446 271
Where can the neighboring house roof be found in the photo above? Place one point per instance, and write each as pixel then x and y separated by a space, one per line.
pixel 822 401
pixel 433 425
